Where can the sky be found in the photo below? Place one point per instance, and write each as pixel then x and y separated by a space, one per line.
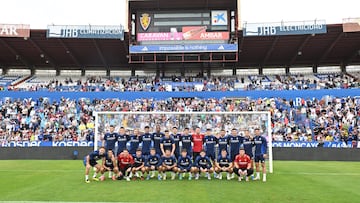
pixel 40 13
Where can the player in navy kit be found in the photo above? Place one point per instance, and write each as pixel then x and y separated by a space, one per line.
pixel 138 166
pixel 91 161
pixel 153 163
pixel 260 154
pixel 209 142
pixel 122 139
pixel 177 138
pixel 146 141
pixel 248 145
pixel 109 165
pixel 134 142
pixel 224 164
pixel 168 164
pixel 167 142
pixel 203 164
pixel 110 138
pixel 156 137
pixel 223 142
pixel 184 165
pixel 186 141
pixel 234 143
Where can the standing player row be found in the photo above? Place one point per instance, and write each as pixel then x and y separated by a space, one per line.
pixel 193 143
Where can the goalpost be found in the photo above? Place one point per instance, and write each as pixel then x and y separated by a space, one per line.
pixel 244 120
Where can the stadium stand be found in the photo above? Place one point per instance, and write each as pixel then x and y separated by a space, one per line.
pixel 328 119
pixel 178 83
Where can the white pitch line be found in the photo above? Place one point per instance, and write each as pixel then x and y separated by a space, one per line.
pixel 61 202
pixel 317 173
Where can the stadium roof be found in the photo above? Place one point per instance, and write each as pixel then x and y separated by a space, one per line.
pixel 333 48
pixel 184 4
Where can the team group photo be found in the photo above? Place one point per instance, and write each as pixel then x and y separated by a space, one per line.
pixel 190 153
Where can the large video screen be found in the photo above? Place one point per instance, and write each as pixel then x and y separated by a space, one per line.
pixel 182 31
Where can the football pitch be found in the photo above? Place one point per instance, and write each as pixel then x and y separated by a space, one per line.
pixel 292 181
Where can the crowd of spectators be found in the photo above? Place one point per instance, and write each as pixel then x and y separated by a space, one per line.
pixel 196 83
pixel 328 119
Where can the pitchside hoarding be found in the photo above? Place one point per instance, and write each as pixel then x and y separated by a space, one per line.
pixel 86 31
pixel 14 30
pixel 285 28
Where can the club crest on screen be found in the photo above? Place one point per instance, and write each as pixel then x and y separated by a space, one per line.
pixel 145 21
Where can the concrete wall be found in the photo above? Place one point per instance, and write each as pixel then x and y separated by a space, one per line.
pixel 295 154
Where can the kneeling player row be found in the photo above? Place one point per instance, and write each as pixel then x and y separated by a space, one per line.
pixel 127 166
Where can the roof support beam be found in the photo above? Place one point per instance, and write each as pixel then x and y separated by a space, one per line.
pixel 100 54
pixel 328 50
pixel 16 54
pixel 46 56
pixel 269 52
pixel 70 53
pixel 299 49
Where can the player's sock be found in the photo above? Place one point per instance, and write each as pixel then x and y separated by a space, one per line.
pixel 110 174
pixel 95 174
pixel 86 177
pixel 264 177
pixel 152 174
pixel 172 175
pixel 257 175
pixel 232 175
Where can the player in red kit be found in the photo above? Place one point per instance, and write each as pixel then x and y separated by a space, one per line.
pixel 242 165
pixel 125 162
pixel 198 142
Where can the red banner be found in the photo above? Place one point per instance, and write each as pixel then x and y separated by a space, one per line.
pixel 13 30
pixel 199 33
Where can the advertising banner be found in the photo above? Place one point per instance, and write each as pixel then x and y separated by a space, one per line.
pixel 86 31
pixel 313 144
pixel 219 18
pixel 188 33
pixel 14 30
pixel 47 144
pixel 183 48
pixel 284 28
pixel 351 25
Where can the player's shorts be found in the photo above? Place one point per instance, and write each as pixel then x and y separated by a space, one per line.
pixel 211 155
pixel 171 169
pixel 203 167
pixel 238 170
pixel 111 166
pixel 156 167
pixel 123 168
pixel 92 162
pixel 136 165
pixel 182 169
pixel 223 166
pixel 259 158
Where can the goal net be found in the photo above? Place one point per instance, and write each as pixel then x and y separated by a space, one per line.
pixel 204 120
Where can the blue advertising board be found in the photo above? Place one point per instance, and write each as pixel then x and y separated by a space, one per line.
pixel 47 144
pixel 183 48
pixel 284 28
pixel 314 144
pixel 86 31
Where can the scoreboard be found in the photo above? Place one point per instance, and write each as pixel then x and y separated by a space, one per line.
pixel 182 31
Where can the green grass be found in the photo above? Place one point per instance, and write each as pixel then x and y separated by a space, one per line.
pixel 292 181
